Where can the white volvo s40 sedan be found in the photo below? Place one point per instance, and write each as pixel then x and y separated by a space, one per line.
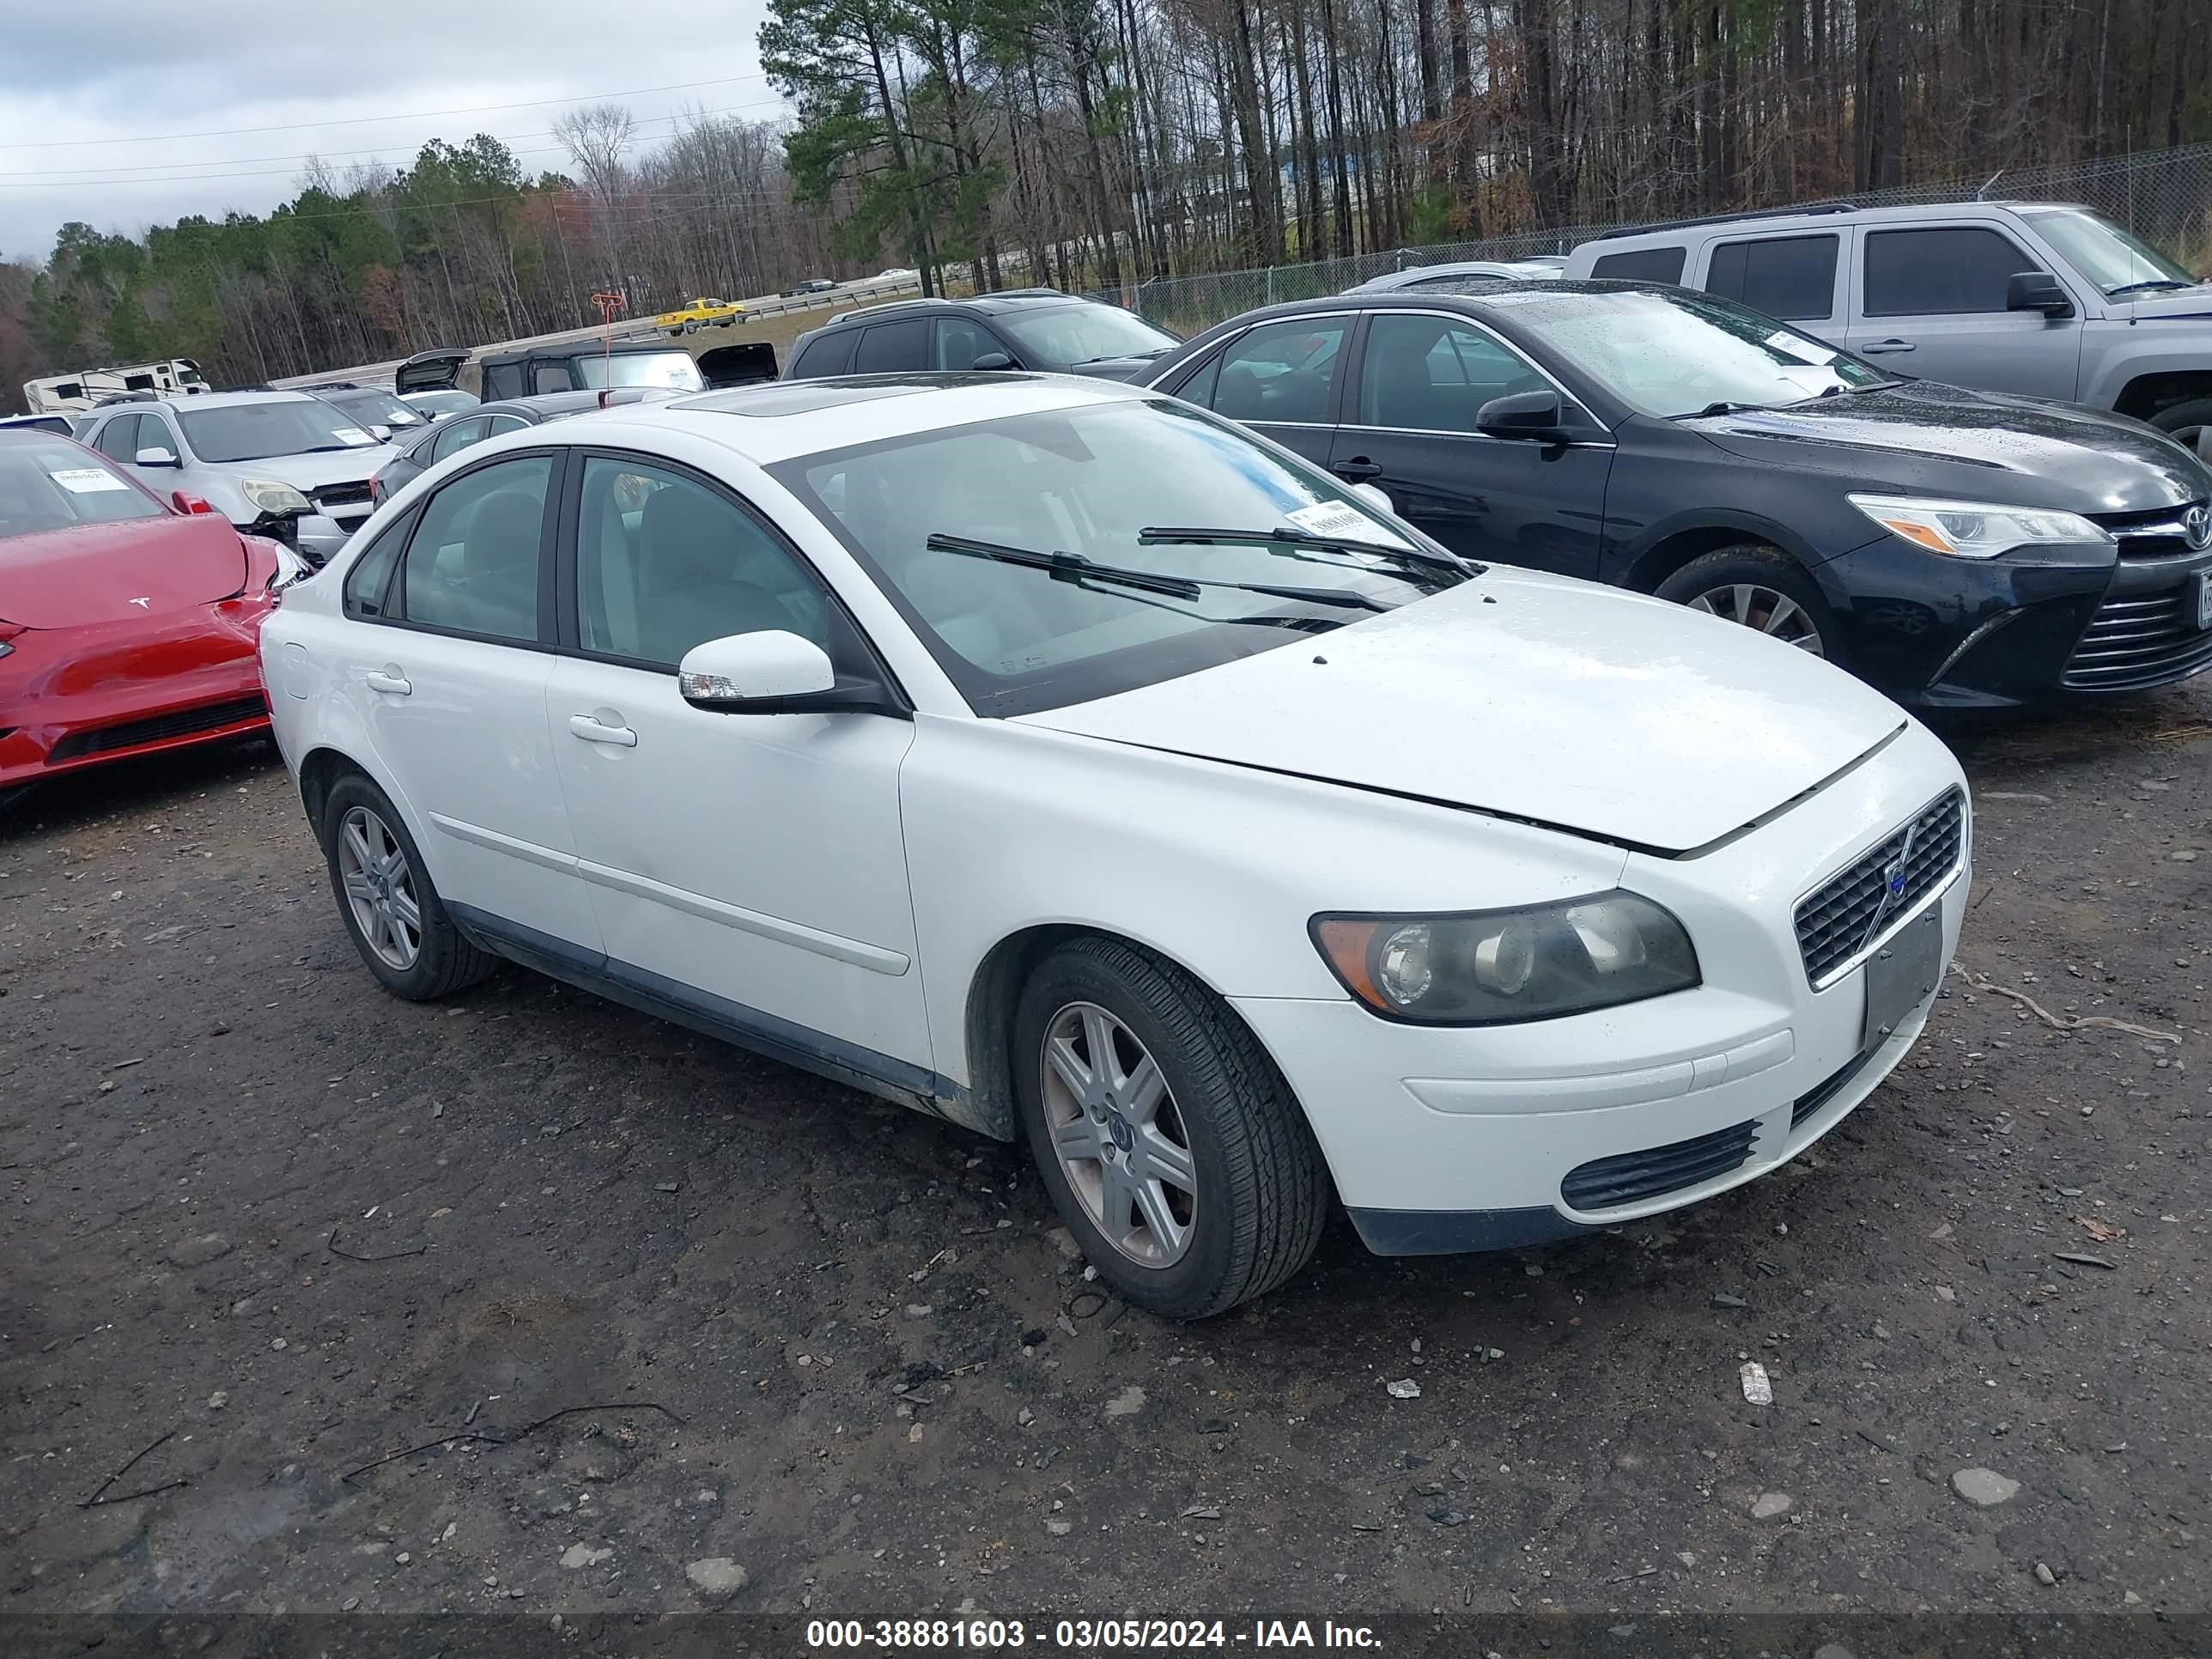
pixel 1065 762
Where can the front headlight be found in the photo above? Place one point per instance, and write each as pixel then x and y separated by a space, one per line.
pixel 1975 530
pixel 270 496
pixel 1498 967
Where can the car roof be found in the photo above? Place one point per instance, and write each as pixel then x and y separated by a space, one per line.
pixel 1816 215
pixel 1511 268
pixel 575 349
pixel 198 400
pixel 780 420
pixel 987 305
pixel 539 404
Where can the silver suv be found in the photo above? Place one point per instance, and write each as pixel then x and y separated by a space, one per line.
pixel 2040 298
pixel 279 464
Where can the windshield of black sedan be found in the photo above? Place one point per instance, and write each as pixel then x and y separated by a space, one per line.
pixel 1677 353
pixel 281 426
pixel 1087 482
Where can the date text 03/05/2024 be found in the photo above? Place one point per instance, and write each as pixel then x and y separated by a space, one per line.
pixel 1083 1635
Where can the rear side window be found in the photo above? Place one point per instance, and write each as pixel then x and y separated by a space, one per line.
pixel 1940 271
pixel 455 436
pixel 826 353
pixel 1792 277
pixel 1643 264
pixel 371 571
pixel 119 439
pixel 551 377
pixel 502 380
pixel 892 348
pixel 472 566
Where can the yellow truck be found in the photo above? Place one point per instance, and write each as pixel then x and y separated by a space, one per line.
pixel 698 314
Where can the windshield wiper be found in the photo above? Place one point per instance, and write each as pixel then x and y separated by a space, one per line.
pixel 1155 535
pixel 2148 281
pixel 1074 568
pixel 1718 406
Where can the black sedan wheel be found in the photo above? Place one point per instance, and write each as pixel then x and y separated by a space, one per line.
pixel 1761 587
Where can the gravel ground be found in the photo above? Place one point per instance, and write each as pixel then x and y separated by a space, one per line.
pixel 686 1329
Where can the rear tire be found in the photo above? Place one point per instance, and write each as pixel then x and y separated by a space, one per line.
pixel 1215 1191
pixel 1761 587
pixel 398 921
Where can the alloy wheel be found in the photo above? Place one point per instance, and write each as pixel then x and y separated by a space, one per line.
pixel 1770 611
pixel 1118 1135
pixel 379 888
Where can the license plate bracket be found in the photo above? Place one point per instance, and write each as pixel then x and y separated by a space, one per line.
pixel 1902 974
pixel 2204 599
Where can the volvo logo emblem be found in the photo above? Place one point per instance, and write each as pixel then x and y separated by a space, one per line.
pixel 2197 525
pixel 1896 875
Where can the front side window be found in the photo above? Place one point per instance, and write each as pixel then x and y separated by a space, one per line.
pixel 473 563
pixel 664 563
pixel 50 485
pixel 1282 372
pixel 551 377
pixel 1792 277
pixel 1090 482
pixel 1682 353
pixel 1941 271
pixel 675 371
pixel 281 426
pixel 1068 337
pixel 1643 264
pixel 955 343
pixel 502 380
pixel 1432 375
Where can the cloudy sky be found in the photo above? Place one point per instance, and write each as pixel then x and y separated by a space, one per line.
pixel 126 113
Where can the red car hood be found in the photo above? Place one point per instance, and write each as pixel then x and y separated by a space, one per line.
pixel 118 572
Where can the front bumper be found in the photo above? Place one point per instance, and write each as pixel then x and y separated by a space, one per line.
pixel 1938 632
pixel 1443 1140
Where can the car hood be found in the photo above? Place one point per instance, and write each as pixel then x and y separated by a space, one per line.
pixel 2030 452
pixel 100 572
pixel 2158 304
pixel 1527 696
pixel 1118 369
pixel 308 472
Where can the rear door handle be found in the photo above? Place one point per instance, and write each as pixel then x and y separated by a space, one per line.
pixel 1885 347
pixel 1358 470
pixel 591 730
pixel 389 679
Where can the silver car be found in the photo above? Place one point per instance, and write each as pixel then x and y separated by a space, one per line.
pixel 1459 276
pixel 279 464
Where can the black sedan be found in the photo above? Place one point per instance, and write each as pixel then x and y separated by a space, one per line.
pixel 1958 549
pixel 456 431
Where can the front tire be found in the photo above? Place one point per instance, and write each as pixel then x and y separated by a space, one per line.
pixel 397 920
pixel 1761 587
pixel 1172 1147
pixel 2185 424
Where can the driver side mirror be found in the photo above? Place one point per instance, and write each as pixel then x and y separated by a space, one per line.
pixel 1521 414
pixel 2037 290
pixel 381 434
pixel 773 672
pixel 154 455
pixel 1375 496
pixel 993 359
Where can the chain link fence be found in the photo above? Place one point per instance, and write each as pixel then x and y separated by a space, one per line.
pixel 2164 196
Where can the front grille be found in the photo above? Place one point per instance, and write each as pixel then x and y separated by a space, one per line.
pixel 342 494
pixel 2157 534
pixel 1632 1177
pixel 1825 1090
pixel 2138 640
pixel 183 723
pixel 1833 922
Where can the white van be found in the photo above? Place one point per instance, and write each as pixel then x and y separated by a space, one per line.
pixel 75 394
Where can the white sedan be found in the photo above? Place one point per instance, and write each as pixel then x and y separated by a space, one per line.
pixel 1061 760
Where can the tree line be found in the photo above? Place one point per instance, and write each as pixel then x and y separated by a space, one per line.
pixel 1097 143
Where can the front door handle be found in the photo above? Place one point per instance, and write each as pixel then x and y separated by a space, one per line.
pixel 591 730
pixel 389 679
pixel 1885 347
pixel 1358 470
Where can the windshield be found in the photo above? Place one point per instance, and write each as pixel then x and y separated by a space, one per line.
pixel 2111 258
pixel 1087 482
pixel 445 402
pixel 46 484
pixel 281 426
pixel 1064 336
pixel 674 369
pixel 375 407
pixel 1680 353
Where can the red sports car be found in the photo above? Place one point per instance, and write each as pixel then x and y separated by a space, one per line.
pixel 126 625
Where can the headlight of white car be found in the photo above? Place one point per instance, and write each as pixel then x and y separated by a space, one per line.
pixel 1498 967
pixel 270 496
pixel 1975 530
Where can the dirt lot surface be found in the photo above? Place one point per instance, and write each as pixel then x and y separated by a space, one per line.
pixel 817 1354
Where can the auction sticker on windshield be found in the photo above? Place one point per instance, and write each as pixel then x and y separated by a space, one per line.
pixel 351 435
pixel 1335 518
pixel 87 480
